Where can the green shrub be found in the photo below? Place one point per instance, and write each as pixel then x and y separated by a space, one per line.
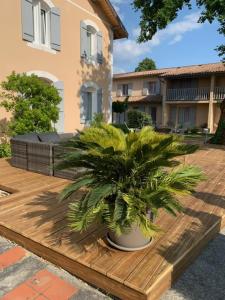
pixel 5 150
pixel 32 102
pixel 194 130
pixel 138 119
pixel 98 119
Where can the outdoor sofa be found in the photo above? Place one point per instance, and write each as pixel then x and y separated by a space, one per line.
pixel 41 152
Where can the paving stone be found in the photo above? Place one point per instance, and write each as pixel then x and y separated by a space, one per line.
pixel 4 245
pixel 11 256
pixel 18 273
pixel 51 286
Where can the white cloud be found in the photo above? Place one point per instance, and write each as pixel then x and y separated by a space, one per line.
pixel 126 50
pixel 117 70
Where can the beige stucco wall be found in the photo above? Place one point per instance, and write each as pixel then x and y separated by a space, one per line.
pixel 66 65
pixel 137 85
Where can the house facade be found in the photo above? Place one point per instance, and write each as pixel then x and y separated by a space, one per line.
pixel 67 43
pixel 182 97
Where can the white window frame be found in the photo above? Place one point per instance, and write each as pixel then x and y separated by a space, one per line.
pixel 93 51
pixel 94 29
pixel 39 5
pixel 91 87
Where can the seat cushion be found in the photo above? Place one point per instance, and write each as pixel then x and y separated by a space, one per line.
pixel 28 137
pixel 49 137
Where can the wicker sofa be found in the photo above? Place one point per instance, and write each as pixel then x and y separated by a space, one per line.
pixel 41 153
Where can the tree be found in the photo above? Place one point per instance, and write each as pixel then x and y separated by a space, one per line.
pixel 32 102
pixel 138 119
pixel 157 14
pixel 126 176
pixel 219 137
pixel 145 65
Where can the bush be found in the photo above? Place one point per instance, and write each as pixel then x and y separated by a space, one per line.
pixel 138 119
pixel 32 102
pixel 98 119
pixel 5 150
pixel 194 130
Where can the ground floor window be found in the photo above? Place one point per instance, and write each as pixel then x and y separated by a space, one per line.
pixel 183 116
pixel 91 102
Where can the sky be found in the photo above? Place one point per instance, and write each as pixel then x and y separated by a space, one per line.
pixel 183 42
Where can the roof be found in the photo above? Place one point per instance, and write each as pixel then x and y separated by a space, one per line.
pixel 134 99
pixel 118 28
pixel 203 69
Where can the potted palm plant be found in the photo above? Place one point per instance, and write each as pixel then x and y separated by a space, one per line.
pixel 128 178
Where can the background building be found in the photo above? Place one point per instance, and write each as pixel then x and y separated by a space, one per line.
pixel 176 97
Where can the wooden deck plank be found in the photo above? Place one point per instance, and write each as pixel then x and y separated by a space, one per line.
pixel 35 219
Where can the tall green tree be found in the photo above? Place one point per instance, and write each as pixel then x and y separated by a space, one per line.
pixel 157 14
pixel 32 102
pixel 145 65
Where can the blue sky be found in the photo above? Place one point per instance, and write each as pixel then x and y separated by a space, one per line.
pixel 183 42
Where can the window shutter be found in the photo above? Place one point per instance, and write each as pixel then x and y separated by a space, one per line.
pixel 145 91
pixel 55 29
pixel 83 40
pixel 83 107
pixel 119 90
pixel 130 89
pixel 157 87
pixel 99 101
pixel 99 48
pixel 27 20
pixel 59 126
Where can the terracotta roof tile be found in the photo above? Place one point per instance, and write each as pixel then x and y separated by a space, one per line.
pixel 177 71
pixel 152 98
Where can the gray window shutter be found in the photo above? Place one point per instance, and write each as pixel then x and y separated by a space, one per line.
pixel 55 29
pixel 59 126
pixel 130 89
pixel 99 48
pixel 119 90
pixel 27 20
pixel 145 91
pixel 99 101
pixel 83 40
pixel 83 107
pixel 157 87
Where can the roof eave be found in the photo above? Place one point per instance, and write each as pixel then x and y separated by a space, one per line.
pixel 118 27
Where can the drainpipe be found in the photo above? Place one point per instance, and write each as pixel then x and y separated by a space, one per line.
pixel 211 99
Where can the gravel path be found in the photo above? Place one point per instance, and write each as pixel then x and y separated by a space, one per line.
pixel 205 278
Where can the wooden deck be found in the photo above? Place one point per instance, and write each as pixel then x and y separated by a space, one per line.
pixel 32 217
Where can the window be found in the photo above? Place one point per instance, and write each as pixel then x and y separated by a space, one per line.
pixel 91 102
pixel 89 107
pixel 152 87
pixel 125 89
pixel 91 43
pixel 41 24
